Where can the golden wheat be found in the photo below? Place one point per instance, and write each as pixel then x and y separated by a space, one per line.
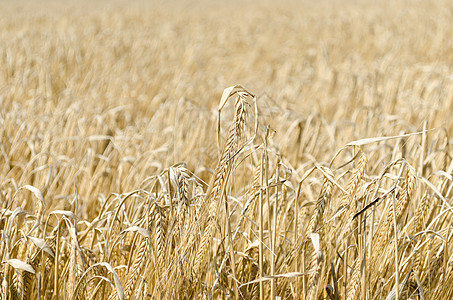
pixel 327 174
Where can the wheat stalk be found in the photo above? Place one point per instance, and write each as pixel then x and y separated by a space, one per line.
pixel 220 178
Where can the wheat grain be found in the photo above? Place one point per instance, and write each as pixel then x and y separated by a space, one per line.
pixel 109 128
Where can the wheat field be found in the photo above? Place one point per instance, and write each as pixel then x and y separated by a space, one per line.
pixel 237 150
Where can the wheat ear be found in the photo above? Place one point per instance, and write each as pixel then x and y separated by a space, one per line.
pixel 221 174
pixel 316 265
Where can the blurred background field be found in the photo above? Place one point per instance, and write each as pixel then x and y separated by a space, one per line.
pixel 101 102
